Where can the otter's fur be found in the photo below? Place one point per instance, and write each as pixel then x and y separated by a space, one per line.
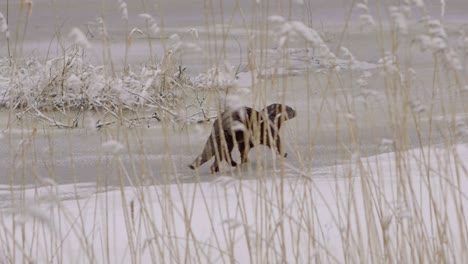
pixel 247 127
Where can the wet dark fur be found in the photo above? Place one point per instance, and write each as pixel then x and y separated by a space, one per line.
pixel 246 127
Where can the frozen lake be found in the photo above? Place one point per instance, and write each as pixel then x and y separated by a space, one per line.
pixel 317 137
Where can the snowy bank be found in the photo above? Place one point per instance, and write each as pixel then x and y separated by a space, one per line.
pixel 397 207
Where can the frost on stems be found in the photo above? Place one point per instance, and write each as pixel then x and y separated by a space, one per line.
pixel 123 10
pixel 367 22
pixel 153 28
pixel 130 35
pixel 363 7
pixel 215 78
pixel 348 55
pixel 435 39
pixel 3 24
pixel 28 4
pixel 443 5
pixel 399 15
pixel 366 93
pixel 287 29
pixel 388 64
pixel 463 42
pixel 79 38
pixel 366 19
pixel 102 29
pixel 418 3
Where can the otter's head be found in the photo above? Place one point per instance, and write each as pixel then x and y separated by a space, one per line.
pixel 279 112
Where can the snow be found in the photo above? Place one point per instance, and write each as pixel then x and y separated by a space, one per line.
pixel 368 206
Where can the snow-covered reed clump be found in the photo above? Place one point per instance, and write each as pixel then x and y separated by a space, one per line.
pixel 69 81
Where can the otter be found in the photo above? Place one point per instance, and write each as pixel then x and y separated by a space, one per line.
pixel 247 127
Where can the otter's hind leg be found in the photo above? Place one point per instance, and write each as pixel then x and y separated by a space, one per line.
pixel 230 147
pixel 215 167
pixel 224 153
pixel 233 163
pixel 244 150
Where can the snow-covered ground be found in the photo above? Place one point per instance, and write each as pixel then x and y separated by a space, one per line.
pixel 399 207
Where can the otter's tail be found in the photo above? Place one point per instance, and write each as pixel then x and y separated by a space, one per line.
pixel 206 154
